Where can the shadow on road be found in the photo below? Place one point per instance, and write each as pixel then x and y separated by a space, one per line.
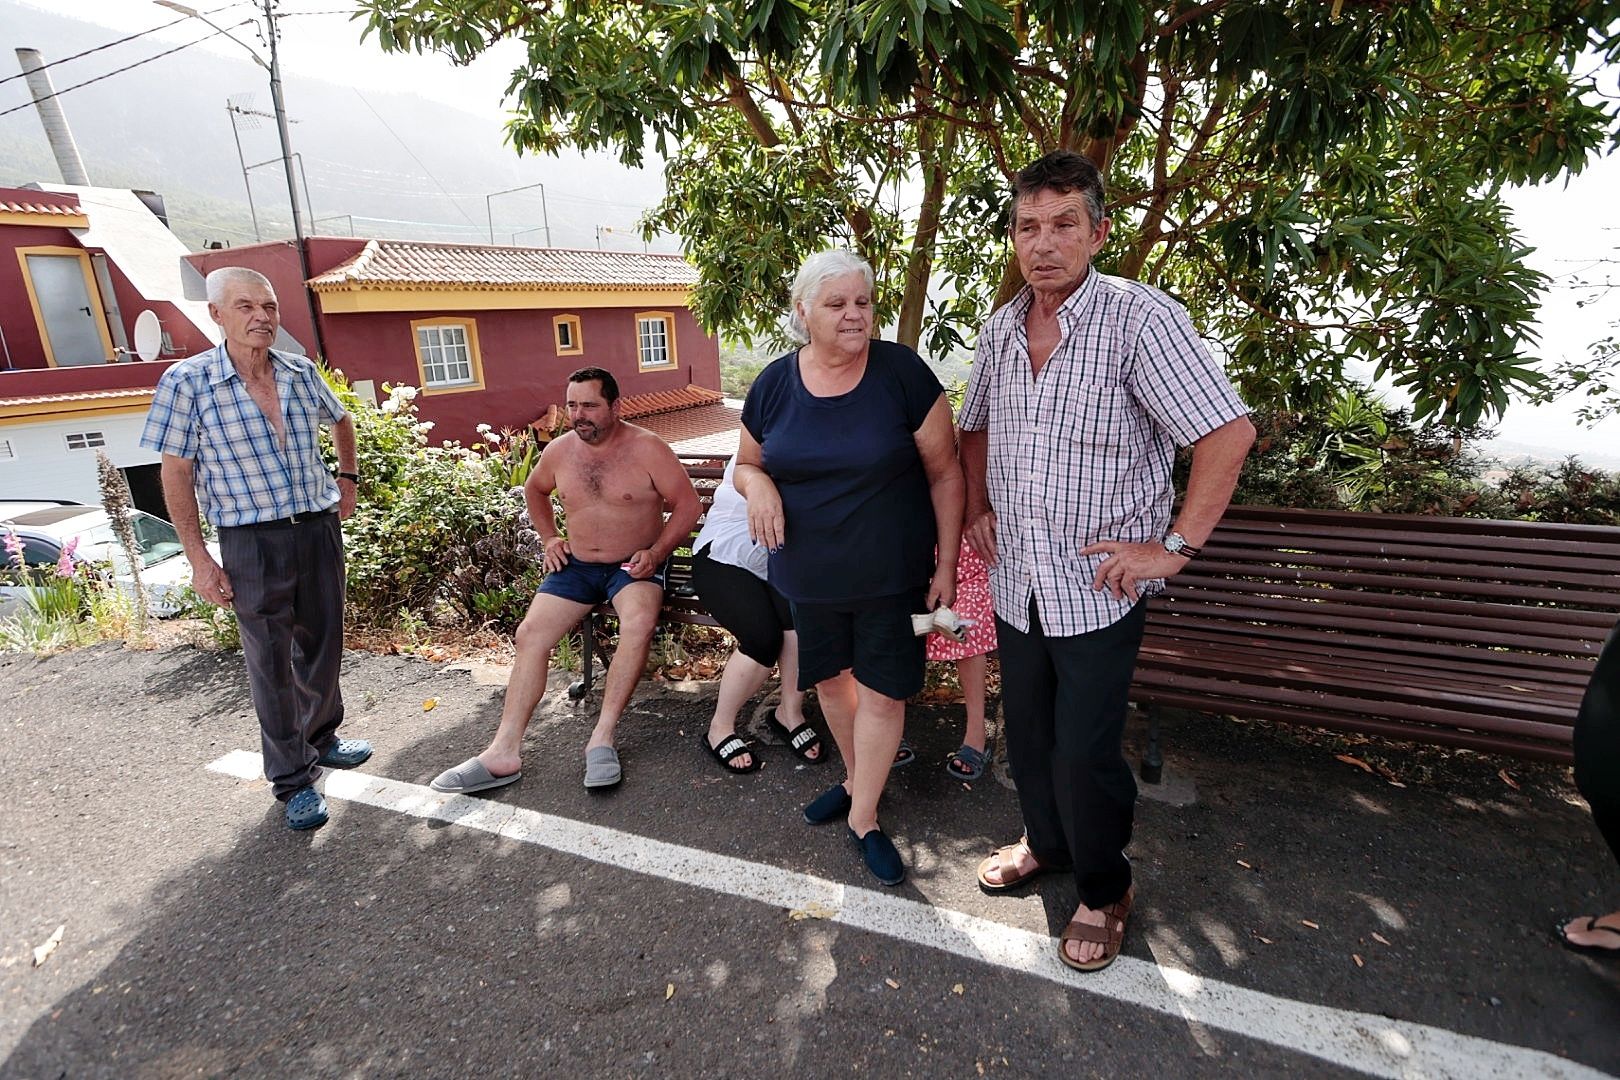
pixel 383 944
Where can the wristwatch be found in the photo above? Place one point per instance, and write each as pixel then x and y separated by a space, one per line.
pixel 352 476
pixel 1176 544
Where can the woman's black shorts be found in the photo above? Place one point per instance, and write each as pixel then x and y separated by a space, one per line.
pixel 750 610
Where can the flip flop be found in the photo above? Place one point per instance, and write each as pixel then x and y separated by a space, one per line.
pixel 602 768
pixel 973 760
pixel 904 755
pixel 730 749
pixel 1110 935
pixel 1561 932
pixel 801 740
pixel 470 776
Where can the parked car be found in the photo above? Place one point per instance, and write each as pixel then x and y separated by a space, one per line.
pixel 45 528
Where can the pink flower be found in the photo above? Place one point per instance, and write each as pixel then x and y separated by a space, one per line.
pixel 14 545
pixel 64 564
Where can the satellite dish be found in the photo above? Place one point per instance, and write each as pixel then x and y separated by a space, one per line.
pixel 148 335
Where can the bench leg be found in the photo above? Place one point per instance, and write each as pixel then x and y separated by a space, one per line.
pixel 1152 770
pixel 582 685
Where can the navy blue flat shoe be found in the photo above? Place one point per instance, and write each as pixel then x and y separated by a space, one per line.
pixel 345 754
pixel 306 810
pixel 881 857
pixel 830 805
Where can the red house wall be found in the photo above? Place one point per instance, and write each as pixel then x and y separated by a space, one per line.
pixel 278 261
pixel 23 339
pixel 522 372
pixel 186 336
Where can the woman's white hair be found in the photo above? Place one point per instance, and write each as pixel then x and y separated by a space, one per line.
pixel 815 273
pixel 219 280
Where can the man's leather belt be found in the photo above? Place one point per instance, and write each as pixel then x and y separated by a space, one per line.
pixel 291 519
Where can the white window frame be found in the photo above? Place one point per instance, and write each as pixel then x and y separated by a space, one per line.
pixel 659 345
pixel 447 355
pixel 575 346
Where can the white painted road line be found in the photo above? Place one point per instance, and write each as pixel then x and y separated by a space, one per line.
pixel 1371 1044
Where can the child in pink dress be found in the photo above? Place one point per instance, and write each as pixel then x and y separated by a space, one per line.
pixel 972 603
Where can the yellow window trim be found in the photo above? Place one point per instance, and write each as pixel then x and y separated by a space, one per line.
pixel 668 318
pixel 571 321
pixel 471 327
pixel 91 289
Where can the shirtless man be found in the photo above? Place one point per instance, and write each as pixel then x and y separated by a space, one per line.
pixel 614 480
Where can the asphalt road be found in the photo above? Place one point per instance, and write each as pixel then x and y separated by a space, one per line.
pixel 1297 914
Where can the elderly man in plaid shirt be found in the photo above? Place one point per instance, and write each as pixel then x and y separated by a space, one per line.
pixel 239 430
pixel 1082 388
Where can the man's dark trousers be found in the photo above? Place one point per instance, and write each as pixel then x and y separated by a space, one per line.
pixel 1064 699
pixel 288 586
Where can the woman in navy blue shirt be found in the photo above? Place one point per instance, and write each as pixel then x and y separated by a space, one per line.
pixel 848 463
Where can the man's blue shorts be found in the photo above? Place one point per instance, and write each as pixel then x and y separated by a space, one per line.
pixel 594 583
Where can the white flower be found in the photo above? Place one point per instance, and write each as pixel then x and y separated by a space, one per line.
pixel 482 429
pixel 492 437
pixel 390 406
pixel 405 393
pixel 425 426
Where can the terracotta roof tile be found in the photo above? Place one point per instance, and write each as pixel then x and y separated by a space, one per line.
pixel 704 429
pixel 73 210
pixel 664 401
pixel 82 395
pixel 398 263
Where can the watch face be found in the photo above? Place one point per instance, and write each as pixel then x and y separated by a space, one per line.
pixel 1174 543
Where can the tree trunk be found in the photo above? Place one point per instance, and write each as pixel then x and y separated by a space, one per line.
pixel 935 160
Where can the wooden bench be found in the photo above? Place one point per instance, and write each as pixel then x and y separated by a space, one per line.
pixel 1457 631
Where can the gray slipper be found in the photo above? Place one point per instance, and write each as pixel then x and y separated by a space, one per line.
pixel 602 767
pixel 470 776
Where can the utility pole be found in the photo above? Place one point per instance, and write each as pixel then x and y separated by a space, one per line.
pixel 274 67
pixel 280 107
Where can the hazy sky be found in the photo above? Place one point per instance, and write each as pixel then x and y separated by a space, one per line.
pixel 1573 228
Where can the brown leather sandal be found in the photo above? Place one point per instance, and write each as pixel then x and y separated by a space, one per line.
pixel 1110 935
pixel 1002 857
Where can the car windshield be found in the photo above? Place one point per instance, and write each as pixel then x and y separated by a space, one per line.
pixel 155 539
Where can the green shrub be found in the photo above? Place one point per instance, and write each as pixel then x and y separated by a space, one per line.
pixel 438 528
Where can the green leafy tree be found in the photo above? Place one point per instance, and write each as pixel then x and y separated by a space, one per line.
pixel 1592 380
pixel 1317 179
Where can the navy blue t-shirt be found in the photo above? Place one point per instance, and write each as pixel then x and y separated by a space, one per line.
pixel 859 522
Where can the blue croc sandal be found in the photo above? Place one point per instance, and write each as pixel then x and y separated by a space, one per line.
pixel 346 754
pixel 306 810
pixel 968 764
pixel 903 756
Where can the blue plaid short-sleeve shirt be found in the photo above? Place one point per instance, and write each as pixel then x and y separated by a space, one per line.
pixel 202 411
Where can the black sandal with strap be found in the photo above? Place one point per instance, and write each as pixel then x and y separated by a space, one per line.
pixel 803 740
pixel 729 750
pixel 1561 931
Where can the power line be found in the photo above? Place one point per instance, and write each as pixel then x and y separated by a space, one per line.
pixel 120 71
pixel 409 151
pixel 110 44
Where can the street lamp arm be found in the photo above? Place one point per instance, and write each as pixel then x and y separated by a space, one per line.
pixel 190 12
